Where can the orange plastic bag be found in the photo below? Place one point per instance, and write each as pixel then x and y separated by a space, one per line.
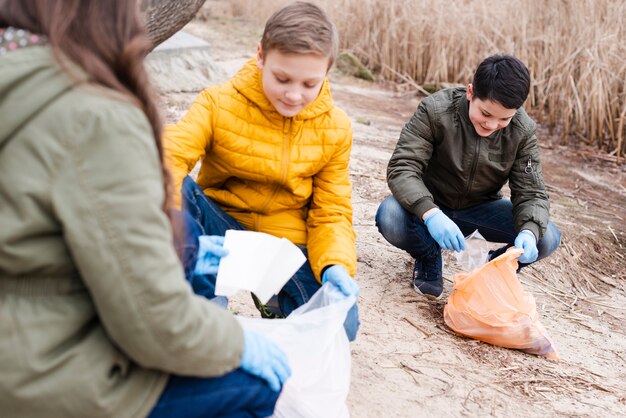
pixel 490 305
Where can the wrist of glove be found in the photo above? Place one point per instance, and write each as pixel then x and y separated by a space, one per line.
pixel 338 276
pixel 444 231
pixel 262 358
pixel 210 251
pixel 527 241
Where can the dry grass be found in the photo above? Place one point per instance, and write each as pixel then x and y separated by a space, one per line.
pixel 574 49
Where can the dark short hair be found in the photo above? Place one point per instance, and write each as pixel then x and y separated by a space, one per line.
pixel 504 79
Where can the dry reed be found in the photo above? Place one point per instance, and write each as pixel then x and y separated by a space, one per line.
pixel 576 52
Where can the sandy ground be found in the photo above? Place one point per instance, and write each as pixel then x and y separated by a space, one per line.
pixel 406 362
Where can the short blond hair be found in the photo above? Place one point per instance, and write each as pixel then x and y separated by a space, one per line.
pixel 301 28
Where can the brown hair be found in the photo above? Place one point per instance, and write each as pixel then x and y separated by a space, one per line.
pixel 300 28
pixel 105 38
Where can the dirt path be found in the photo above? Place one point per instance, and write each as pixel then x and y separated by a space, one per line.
pixel 406 362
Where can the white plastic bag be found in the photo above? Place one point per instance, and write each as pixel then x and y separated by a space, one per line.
pixel 318 351
pixel 476 252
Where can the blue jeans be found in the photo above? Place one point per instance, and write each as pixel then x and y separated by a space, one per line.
pixel 210 219
pixel 236 395
pixel 493 219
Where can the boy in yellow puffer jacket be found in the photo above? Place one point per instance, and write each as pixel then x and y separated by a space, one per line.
pixel 274 153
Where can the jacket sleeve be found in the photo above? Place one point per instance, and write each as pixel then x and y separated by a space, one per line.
pixel 186 141
pixel 409 161
pixel 531 208
pixel 108 198
pixel 331 238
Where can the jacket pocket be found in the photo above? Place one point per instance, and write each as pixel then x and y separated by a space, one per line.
pixel 531 172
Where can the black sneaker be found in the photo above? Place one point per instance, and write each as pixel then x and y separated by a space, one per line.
pixel 493 254
pixel 428 276
pixel 269 311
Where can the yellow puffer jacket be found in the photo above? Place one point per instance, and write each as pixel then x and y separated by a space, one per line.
pixel 288 177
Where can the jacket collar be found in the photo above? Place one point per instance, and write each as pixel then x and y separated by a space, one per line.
pixel 248 81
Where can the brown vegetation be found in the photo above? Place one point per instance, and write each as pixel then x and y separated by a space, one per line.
pixel 574 49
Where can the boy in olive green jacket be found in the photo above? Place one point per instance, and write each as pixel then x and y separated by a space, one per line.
pixel 446 174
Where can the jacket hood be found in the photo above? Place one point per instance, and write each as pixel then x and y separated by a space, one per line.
pixel 29 77
pixel 249 82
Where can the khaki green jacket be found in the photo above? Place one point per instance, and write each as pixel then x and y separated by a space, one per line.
pixel 440 160
pixel 95 311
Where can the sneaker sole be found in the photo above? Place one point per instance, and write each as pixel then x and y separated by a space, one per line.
pixel 427 295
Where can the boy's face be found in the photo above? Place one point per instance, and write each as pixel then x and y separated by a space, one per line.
pixel 291 81
pixel 487 116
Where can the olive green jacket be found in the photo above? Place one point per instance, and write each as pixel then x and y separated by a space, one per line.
pixel 440 160
pixel 95 311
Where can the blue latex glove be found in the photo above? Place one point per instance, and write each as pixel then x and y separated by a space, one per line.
pixel 526 241
pixel 445 232
pixel 262 358
pixel 338 276
pixel 210 251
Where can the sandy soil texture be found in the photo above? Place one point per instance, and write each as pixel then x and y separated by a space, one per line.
pixel 406 361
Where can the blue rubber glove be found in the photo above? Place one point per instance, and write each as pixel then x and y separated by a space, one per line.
pixel 445 232
pixel 210 251
pixel 262 358
pixel 526 241
pixel 338 276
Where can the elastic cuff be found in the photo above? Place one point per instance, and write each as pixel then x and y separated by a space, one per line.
pixel 324 271
pixel 422 206
pixel 432 215
pixel 532 227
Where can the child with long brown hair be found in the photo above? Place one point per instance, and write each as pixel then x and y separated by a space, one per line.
pixel 96 318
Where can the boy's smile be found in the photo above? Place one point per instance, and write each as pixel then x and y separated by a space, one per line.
pixel 291 81
pixel 487 116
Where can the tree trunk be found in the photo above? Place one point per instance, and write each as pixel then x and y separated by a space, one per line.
pixel 166 17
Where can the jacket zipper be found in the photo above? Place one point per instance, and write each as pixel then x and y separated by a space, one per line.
pixel 283 173
pixel 286 150
pixel 529 165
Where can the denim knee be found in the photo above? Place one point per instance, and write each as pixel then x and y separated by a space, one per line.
pixel 550 241
pixel 189 185
pixel 237 393
pixel 390 221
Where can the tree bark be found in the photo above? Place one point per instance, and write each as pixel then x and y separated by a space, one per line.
pixel 166 17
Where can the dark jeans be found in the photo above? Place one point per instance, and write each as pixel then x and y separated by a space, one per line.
pixel 236 395
pixel 494 221
pixel 210 219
